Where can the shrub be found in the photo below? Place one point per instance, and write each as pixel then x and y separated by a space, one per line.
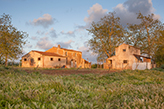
pixel 162 66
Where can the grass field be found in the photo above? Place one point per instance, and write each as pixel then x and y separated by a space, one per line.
pixel 126 89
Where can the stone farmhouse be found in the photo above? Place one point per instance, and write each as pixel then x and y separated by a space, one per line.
pixel 128 57
pixel 55 57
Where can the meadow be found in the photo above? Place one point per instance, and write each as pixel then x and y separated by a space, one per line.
pixel 126 89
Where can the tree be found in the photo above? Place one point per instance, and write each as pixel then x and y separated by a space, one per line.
pixel 145 35
pixel 107 34
pixel 135 37
pixel 159 53
pixel 11 40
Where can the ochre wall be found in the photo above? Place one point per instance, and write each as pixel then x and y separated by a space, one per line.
pixel 55 62
pixel 45 61
pixel 34 56
pixel 120 56
pixel 72 55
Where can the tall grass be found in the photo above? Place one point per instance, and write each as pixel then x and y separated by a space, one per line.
pixel 128 89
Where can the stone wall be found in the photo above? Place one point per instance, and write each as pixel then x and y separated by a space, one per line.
pixel 34 59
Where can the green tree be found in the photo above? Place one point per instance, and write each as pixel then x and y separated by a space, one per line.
pixel 145 35
pixel 159 53
pixel 134 37
pixel 107 34
pixel 11 39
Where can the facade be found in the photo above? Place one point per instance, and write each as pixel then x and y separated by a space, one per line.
pixel 127 57
pixel 56 56
pixel 86 64
pixel 42 59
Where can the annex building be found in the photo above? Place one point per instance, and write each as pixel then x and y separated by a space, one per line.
pixel 128 57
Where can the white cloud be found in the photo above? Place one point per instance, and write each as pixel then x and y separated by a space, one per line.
pixel 65 44
pixel 127 11
pixel 53 32
pixel 28 45
pixel 34 38
pixel 40 32
pixel 44 43
pixel 69 33
pixel 96 12
pixel 44 21
pixel 88 54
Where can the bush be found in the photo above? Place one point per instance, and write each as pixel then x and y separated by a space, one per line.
pixel 94 66
pixel 158 69
pixel 162 66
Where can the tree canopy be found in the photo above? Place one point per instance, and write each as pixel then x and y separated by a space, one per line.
pixel 11 39
pixel 145 35
pixel 106 35
pixel 159 53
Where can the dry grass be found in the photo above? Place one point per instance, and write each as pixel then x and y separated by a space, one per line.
pixel 127 89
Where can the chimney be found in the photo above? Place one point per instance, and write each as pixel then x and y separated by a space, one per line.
pixel 58 46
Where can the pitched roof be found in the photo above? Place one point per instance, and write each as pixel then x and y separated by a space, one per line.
pixel 48 53
pixel 141 56
pixel 86 61
pixel 67 49
pixel 129 45
pixel 70 50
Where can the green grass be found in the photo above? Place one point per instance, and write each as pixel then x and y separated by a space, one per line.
pixel 128 89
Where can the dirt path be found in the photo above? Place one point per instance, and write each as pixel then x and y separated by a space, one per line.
pixel 69 71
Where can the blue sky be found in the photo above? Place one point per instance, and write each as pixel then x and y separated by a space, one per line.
pixel 64 22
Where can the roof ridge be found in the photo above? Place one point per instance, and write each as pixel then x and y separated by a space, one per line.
pixel 48 53
pixel 67 49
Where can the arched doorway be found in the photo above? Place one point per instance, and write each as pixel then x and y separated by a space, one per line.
pixel 71 63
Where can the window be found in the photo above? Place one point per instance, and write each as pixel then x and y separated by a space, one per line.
pixel 59 59
pixel 124 50
pixel 125 61
pixel 75 54
pixel 66 53
pixel 51 59
pixel 39 59
pixel 25 59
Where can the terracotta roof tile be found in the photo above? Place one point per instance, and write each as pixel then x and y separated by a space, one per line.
pixel 86 61
pixel 129 45
pixel 70 50
pixel 48 53
pixel 67 49
pixel 142 56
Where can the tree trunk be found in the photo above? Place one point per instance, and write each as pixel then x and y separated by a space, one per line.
pixel 6 63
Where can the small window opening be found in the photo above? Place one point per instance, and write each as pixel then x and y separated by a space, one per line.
pixel 75 54
pixel 124 50
pixel 51 59
pixel 39 59
pixel 25 59
pixel 125 61
pixel 66 53
pixel 59 59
